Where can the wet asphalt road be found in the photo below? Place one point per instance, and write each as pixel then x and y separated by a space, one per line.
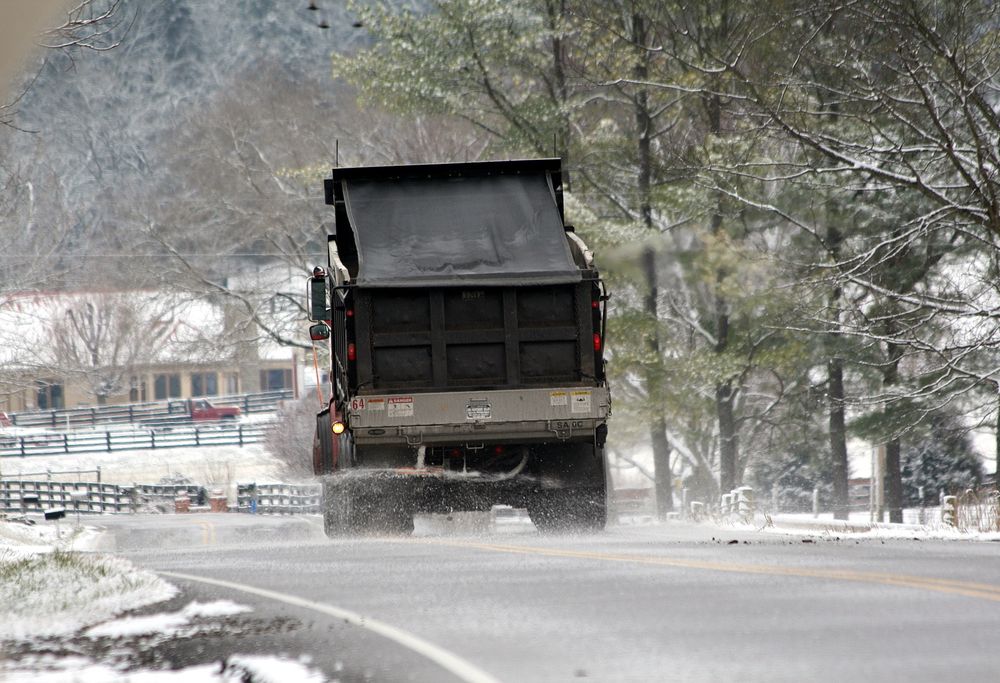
pixel 677 602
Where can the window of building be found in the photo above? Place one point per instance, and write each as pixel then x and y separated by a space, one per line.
pixel 275 380
pixel 166 386
pixel 50 395
pixel 204 384
pixel 232 383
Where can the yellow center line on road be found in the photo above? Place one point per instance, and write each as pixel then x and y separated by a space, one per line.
pixel 982 591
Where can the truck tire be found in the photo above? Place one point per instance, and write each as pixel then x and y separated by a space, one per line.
pixel 338 508
pixel 386 504
pixel 569 510
pixel 323 445
pixel 578 500
pixel 366 503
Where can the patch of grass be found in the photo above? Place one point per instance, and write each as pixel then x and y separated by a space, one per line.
pixel 61 592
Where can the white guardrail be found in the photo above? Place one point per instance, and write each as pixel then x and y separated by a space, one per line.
pixel 36 496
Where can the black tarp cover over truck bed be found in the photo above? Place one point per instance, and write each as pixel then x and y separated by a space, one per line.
pixel 418 226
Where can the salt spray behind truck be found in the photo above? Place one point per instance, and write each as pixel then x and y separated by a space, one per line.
pixel 466 326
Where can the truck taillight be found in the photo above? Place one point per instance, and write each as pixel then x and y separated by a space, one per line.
pixel 597 341
pixel 352 354
pixel 595 304
pixel 349 313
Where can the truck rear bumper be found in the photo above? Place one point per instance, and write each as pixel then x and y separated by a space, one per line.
pixel 524 415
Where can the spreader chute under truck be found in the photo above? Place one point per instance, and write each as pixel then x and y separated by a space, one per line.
pixel 466 328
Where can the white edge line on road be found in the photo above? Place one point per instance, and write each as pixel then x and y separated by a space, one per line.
pixel 443 658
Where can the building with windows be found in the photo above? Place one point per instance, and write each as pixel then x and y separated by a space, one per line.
pixel 64 350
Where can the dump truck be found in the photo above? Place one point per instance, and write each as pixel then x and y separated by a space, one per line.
pixel 466 327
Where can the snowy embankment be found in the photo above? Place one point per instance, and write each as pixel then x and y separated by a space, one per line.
pixel 858 527
pixel 55 601
pixel 47 589
pixel 208 466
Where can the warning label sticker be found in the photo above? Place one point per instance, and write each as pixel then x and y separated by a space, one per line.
pixel 558 398
pixel 581 402
pixel 400 406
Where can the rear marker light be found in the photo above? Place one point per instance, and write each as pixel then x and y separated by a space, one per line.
pixel 350 312
pixel 595 304
pixel 352 353
pixel 338 427
pixel 597 342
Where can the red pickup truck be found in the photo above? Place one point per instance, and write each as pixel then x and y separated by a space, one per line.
pixel 187 410
pixel 201 410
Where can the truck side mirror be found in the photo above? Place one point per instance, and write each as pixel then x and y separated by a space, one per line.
pixel 317 295
pixel 319 331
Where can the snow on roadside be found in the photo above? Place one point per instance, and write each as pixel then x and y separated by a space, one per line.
pixel 807 525
pixel 22 540
pixel 48 590
pixel 209 465
pixel 58 593
pixel 263 669
pixel 237 669
pixel 167 623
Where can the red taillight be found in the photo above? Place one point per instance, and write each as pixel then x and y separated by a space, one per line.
pixel 595 304
pixel 498 450
pixel 597 341
pixel 352 353
pixel 455 453
pixel 350 313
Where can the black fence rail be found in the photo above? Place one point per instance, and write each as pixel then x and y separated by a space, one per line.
pixel 220 434
pixel 48 474
pixel 278 498
pixel 85 497
pixel 70 418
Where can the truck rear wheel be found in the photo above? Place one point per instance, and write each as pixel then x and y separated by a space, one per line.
pixel 366 503
pixel 577 499
pixel 569 510
pixel 338 508
pixel 323 444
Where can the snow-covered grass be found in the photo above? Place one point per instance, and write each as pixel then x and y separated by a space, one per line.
pixel 236 669
pixel 208 466
pixel 48 590
pixel 58 593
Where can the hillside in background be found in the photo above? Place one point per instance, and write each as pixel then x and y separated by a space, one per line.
pixel 116 137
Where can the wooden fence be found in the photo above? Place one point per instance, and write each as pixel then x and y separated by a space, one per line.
pixel 219 434
pixel 139 412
